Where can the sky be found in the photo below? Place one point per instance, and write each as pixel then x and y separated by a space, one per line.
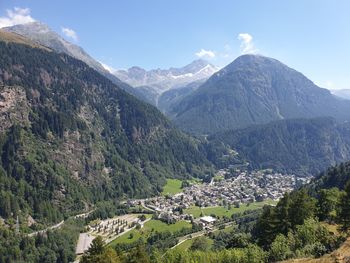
pixel 311 36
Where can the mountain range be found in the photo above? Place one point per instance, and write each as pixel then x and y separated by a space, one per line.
pixel 158 81
pixel 164 79
pixel 70 123
pixel 254 89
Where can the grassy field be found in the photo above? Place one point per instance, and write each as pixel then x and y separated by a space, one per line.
pixel 157 225
pixel 150 226
pixel 187 244
pixel 173 186
pixel 223 211
pixel 126 238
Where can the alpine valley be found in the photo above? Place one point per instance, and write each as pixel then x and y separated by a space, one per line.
pixel 243 163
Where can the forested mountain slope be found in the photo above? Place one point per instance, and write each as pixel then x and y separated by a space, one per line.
pixel 255 90
pixel 70 137
pixel 40 33
pixel 301 146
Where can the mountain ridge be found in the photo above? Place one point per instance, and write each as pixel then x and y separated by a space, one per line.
pixel 70 137
pixel 298 146
pixel 254 89
pixel 40 33
pixel 162 80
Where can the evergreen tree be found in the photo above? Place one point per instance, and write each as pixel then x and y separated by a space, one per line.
pixel 344 215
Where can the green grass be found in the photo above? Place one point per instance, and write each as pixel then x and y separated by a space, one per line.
pixel 160 226
pixel 126 238
pixel 173 186
pixel 187 244
pixel 223 211
pixel 152 225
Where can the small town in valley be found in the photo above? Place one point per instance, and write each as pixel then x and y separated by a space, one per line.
pixel 208 206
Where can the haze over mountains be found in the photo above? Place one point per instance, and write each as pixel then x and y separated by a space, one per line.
pixel 342 93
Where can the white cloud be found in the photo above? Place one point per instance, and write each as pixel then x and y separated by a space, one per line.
pixel 70 33
pixel 16 16
pixel 247 45
pixel 108 68
pixel 205 53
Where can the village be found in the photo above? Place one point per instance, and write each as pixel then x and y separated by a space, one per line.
pixel 223 190
pixel 239 191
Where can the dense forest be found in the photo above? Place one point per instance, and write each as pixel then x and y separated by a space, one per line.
pixel 299 146
pixel 70 138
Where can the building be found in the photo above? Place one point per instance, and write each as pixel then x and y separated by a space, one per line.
pixel 207 220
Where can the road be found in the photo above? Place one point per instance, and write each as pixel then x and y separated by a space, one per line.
pixel 198 234
pixel 46 229
pixel 58 225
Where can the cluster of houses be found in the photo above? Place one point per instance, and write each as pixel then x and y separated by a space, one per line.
pixel 225 190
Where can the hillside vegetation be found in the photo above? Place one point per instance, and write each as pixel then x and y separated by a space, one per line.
pixel 299 146
pixel 70 137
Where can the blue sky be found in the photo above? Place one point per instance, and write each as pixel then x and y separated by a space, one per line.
pixel 312 36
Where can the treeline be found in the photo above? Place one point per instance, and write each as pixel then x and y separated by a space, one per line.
pixel 292 228
pixel 54 246
pixel 30 182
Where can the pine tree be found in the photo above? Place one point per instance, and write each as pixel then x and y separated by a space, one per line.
pixel 344 215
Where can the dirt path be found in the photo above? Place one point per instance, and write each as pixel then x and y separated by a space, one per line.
pixel 46 229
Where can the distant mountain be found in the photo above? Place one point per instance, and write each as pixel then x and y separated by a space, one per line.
pixel 169 99
pixel 69 137
pixel 42 34
pixel 342 93
pixel 300 146
pixel 161 80
pixel 253 90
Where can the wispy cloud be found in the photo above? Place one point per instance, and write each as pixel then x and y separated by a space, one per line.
pixel 247 45
pixel 16 16
pixel 205 53
pixel 68 32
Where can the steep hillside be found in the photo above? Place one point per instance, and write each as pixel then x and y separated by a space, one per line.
pixel 254 90
pixel 169 99
pixel 336 176
pixel 42 34
pixel 301 146
pixel 70 137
